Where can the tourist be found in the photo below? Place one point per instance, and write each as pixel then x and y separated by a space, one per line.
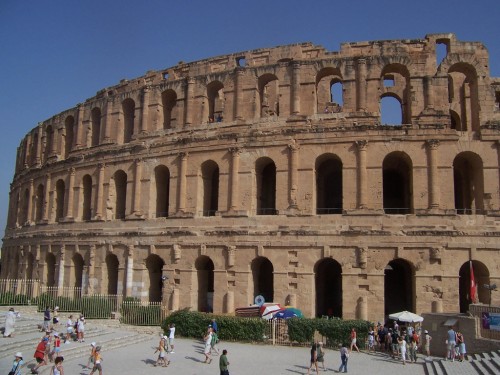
pixel 40 355
pixel 371 339
pixel 69 329
pixel 213 343
pixel 450 344
pixel 353 340
pixel 208 345
pixel 402 348
pixel 223 363
pixel 57 369
pixel 10 322
pixel 92 354
pixel 344 356
pixel 81 329
pixel 413 349
pixel 394 345
pixel 161 348
pixel 56 352
pixel 171 338
pixel 461 346
pixel 427 345
pixel 97 361
pixel 17 364
pixel 314 358
pixel 321 354
pixel 215 326
pixel 55 317
pixel 46 320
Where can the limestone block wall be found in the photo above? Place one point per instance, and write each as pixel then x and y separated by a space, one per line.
pixel 248 174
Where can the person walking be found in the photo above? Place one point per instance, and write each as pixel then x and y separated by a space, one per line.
pixel 344 356
pixel 81 329
pixel 354 340
pixel 92 354
pixel 163 352
pixel 10 322
pixel 314 358
pixel 427 345
pixel 46 320
pixel 17 364
pixel 223 363
pixel 402 348
pixel 57 369
pixel 413 349
pixel 451 341
pixel 461 346
pixel 56 352
pixel 97 361
pixel 321 354
pixel 40 355
pixel 171 338
pixel 208 345
pixel 69 329
pixel 371 339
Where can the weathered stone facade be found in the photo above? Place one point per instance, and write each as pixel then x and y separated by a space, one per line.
pixel 246 174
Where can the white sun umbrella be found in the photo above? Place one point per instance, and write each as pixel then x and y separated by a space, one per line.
pixel 406 316
pixel 267 312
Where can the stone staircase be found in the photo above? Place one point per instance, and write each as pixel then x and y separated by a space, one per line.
pixel 480 364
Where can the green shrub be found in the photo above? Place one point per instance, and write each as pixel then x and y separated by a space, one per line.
pixel 301 329
pixel 9 298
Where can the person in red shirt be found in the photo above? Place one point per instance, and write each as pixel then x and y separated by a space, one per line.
pixel 353 340
pixel 40 355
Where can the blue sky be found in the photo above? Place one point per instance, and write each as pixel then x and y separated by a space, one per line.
pixel 57 53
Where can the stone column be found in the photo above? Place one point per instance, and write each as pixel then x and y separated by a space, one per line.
pixel 235 168
pixel 91 270
pixel 238 92
pixel 60 280
pixel 432 146
pixel 38 145
pixel 29 215
pixel 361 85
pixel 77 139
pixel 107 121
pixel 26 151
pixel 136 201
pixel 145 110
pixel 293 174
pixel 181 195
pixel 362 174
pixel 429 93
pixel 130 271
pixel 45 217
pixel 100 192
pixel 174 306
pixel 229 305
pixel 295 87
pixel 188 111
pixel 69 210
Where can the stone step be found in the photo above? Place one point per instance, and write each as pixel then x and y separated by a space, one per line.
pixel 429 368
pixel 478 367
pixel 438 367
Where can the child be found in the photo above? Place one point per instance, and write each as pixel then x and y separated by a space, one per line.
pixel 92 354
pixel 161 348
pixel 314 358
pixel 344 356
pixel 97 361
pixel 56 352
pixel 57 369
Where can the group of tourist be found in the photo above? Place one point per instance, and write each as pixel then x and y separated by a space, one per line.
pixel 455 345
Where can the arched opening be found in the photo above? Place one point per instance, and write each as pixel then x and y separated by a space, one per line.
pixel 49 142
pixel 390 110
pixel 39 207
pixel 397 184
pixel 155 264
pixel 87 198
pixel 328 282
pixel 210 179
pixel 399 288
pixel 60 192
pixel 455 120
pixel 112 265
pixel 205 273
pixel 29 268
pixel 442 49
pixel 128 107
pixel 215 96
pixel 162 179
pixel 463 95
pixel 96 126
pixel 481 278
pixel 25 207
pixel 50 267
pixel 169 101
pixel 268 86
pixel 263 278
pixel 69 125
pixel 78 270
pixel 120 179
pixel 468 183
pixel 328 185
pixel 266 187
pixel 329 91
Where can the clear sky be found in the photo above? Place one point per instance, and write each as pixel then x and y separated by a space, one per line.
pixel 55 54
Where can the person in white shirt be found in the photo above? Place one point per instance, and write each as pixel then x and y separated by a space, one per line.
pixel 171 337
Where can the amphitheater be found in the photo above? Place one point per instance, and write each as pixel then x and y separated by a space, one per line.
pixel 270 172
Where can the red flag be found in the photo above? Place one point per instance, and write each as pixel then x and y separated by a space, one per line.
pixel 473 285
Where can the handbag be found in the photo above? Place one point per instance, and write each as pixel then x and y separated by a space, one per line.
pixel 14 372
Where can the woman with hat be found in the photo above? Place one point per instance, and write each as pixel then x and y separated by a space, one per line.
pixel 17 364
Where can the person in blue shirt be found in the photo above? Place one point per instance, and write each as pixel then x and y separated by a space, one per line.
pixel 17 364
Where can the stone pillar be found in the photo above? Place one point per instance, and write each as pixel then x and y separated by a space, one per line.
pixel 432 146
pixel 295 87
pixel 69 210
pixel 188 111
pixel 53 144
pixel 231 255
pixel 130 271
pixel 238 93
pixel 361 85
pixel 229 305
pixel 108 121
pixel 429 93
pixel 38 153
pixel 29 215
pixel 100 192
pixel 362 174
pixel 292 299
pixel 293 174
pixel 26 151
pixel 174 306
pixel 362 309
pixel 136 201
pixel 77 139
pixel 91 270
pixel 45 217
pixel 145 110
pixel 235 167
pixel 60 280
pixel 181 198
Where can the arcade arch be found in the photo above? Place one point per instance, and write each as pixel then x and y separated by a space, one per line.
pixel 87 198
pixel 481 277
pixel 155 264
pixel 329 91
pixel 205 275
pixel 328 283
pixel 266 186
pixel 468 183
pixel 399 287
pixel 50 268
pixel 263 278
pixel 96 126
pixel 169 101
pixel 210 184
pixel 60 192
pixel 329 185
pixel 162 184
pixel 112 267
pixel 128 108
pixel 268 89
pixel 397 183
